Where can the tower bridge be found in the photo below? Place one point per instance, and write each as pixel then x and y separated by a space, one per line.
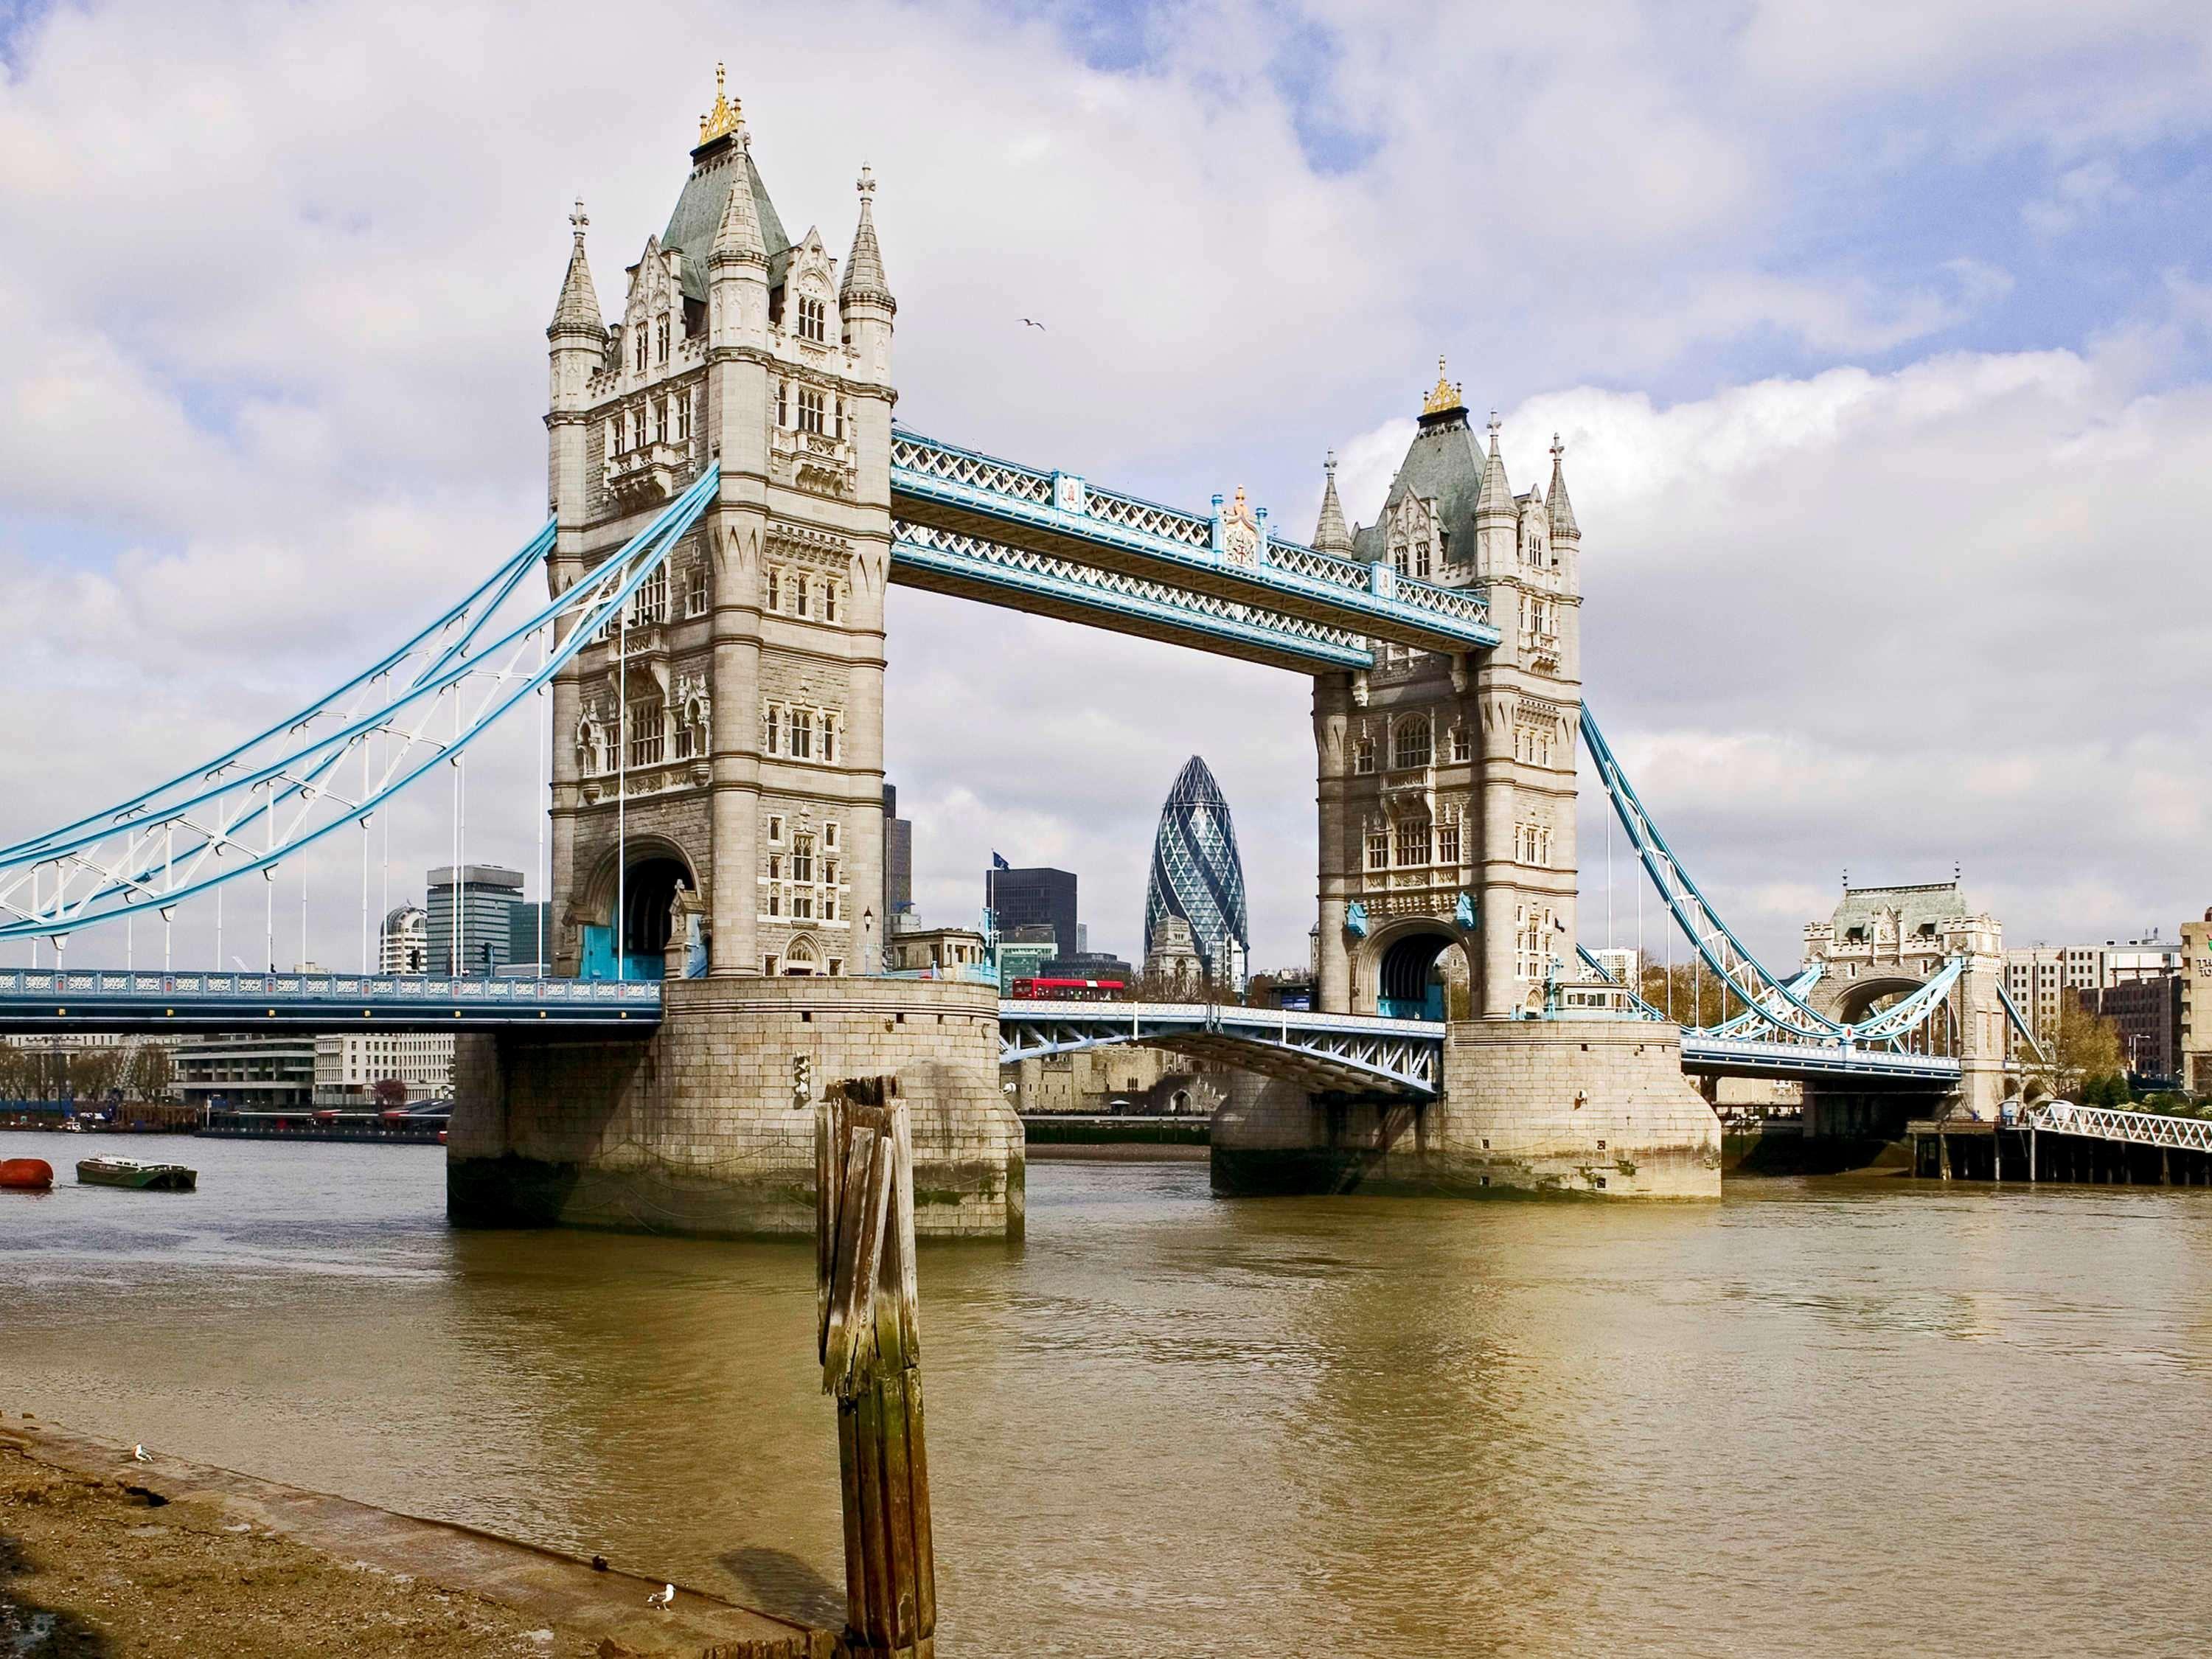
pixel 730 500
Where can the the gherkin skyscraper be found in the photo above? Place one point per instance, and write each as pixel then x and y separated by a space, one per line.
pixel 1197 874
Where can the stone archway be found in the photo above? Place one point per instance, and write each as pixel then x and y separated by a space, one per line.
pixel 635 945
pixel 1406 970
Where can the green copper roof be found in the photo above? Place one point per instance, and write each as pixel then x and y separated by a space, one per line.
pixel 1445 465
pixel 698 214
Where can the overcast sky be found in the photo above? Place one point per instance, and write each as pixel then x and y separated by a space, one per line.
pixel 1880 334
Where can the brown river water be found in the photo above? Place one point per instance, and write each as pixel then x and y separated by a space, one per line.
pixel 1834 1418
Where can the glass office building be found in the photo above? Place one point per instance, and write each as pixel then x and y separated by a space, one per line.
pixel 1197 875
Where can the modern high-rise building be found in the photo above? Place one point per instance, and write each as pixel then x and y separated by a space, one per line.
pixel 1198 876
pixel 898 865
pixel 404 941
pixel 529 936
pixel 1035 897
pixel 488 895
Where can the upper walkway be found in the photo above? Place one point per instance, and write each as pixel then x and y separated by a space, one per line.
pixel 980 527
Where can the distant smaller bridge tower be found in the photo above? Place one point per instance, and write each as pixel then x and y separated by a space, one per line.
pixel 1880 944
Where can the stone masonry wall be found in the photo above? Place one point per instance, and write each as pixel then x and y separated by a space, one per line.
pixel 693 1130
pixel 1530 1107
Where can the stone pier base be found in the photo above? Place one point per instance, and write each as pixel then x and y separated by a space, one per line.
pixel 1597 1107
pixel 693 1130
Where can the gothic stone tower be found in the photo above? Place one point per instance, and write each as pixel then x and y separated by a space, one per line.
pixel 1447 785
pixel 1447 878
pixel 717 790
pixel 740 732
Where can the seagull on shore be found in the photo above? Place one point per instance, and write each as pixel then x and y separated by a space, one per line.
pixel 138 1455
pixel 667 1594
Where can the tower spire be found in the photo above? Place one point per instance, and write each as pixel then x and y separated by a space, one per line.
pixel 738 238
pixel 1497 495
pixel 1444 397
pixel 579 304
pixel 1561 509
pixel 1331 533
pixel 864 269
pixel 727 115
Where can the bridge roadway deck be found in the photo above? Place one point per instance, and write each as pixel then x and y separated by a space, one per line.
pixel 101 1001
pixel 1321 1051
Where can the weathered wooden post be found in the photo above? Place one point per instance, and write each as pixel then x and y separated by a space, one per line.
pixel 870 1350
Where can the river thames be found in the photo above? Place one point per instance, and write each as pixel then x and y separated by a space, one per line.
pixel 1843 1417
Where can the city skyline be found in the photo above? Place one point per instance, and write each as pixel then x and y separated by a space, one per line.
pixel 1867 482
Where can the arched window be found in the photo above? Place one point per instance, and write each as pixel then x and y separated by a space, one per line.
pixel 829 602
pixel 802 858
pixel 1363 754
pixel 801 729
pixel 1409 743
pixel 660 339
pixel 829 740
pixel 640 347
pixel 800 586
pixel 775 588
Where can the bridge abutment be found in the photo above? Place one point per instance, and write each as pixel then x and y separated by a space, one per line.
pixel 1529 1108
pixel 694 1130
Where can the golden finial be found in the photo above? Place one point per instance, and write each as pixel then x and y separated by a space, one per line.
pixel 725 114
pixel 1445 397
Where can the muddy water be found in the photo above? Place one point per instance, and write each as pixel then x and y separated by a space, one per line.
pixel 1818 1418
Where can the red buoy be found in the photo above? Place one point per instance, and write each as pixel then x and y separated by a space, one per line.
pixel 26 1175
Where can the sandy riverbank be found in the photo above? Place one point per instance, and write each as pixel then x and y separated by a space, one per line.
pixel 102 1557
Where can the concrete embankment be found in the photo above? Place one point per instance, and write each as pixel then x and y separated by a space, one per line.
pixel 100 1554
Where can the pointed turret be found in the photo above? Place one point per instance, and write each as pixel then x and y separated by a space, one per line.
pixel 1497 495
pixel 738 239
pixel 1331 533
pixel 864 269
pixel 863 298
pixel 1562 510
pixel 578 309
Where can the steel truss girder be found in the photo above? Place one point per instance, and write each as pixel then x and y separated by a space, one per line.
pixel 971 567
pixel 291 784
pixel 1062 516
pixel 2063 1117
pixel 1347 1054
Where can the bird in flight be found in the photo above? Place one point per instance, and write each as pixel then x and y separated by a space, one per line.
pixel 1031 322
pixel 666 1595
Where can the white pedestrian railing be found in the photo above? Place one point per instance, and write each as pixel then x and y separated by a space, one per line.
pixel 2105 1123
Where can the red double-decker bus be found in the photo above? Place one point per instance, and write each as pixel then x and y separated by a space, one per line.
pixel 1068 990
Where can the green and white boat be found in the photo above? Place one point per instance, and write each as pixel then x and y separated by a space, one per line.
pixel 130 1172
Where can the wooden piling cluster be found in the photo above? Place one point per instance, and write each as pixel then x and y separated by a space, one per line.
pixel 870 1323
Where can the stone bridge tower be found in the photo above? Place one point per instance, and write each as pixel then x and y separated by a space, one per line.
pixel 1447 784
pixel 729 739
pixel 1447 867
pixel 1879 944
pixel 717 790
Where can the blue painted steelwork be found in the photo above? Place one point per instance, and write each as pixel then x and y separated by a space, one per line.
pixel 1356 1054
pixel 1705 1053
pixel 469 616
pixel 2019 1024
pixel 1348 1052
pixel 38 1000
pixel 1060 516
pixel 128 861
pixel 971 567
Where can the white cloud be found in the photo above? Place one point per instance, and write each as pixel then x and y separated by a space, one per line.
pixel 273 385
